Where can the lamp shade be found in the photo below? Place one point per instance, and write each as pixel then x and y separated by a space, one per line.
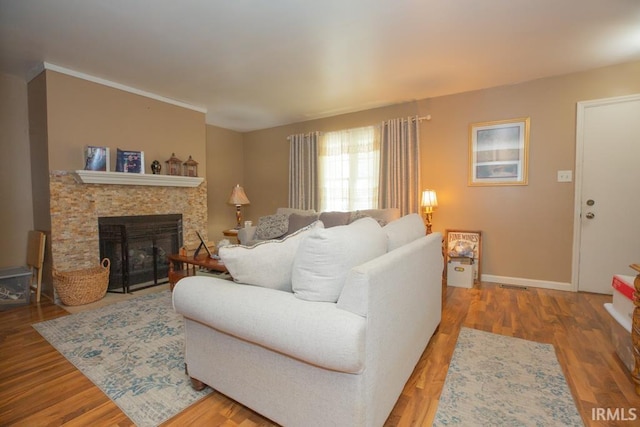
pixel 238 196
pixel 429 200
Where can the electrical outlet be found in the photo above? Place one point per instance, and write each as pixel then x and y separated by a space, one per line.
pixel 565 176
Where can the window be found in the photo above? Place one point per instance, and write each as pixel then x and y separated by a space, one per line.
pixel 348 169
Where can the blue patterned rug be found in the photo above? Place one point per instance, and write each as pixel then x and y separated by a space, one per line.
pixel 495 380
pixel 133 351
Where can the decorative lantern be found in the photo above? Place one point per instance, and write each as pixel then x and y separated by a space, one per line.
pixel 173 165
pixel 190 167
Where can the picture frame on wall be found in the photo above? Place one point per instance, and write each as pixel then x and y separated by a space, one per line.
pixel 499 152
pixel 96 158
pixel 129 161
pixel 465 244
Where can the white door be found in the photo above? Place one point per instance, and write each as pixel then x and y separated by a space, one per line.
pixel 607 223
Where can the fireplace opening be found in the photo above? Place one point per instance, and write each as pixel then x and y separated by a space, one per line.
pixel 137 247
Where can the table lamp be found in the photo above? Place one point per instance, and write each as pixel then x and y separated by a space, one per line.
pixel 429 203
pixel 238 198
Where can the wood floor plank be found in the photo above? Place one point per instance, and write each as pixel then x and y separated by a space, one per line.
pixel 38 386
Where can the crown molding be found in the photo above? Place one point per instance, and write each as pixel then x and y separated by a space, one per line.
pixel 58 69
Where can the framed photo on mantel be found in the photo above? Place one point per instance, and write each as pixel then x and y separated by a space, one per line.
pixel 130 161
pixel 96 158
pixel 465 244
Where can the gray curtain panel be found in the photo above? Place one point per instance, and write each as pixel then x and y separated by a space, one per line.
pixel 303 171
pixel 400 165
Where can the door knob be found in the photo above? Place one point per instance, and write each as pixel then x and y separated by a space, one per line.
pixel 590 215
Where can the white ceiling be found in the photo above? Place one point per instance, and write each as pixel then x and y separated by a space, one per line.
pixel 254 64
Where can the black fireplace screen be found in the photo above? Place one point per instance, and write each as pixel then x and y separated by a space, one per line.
pixel 137 247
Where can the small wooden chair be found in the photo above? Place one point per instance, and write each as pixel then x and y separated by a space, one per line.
pixel 35 259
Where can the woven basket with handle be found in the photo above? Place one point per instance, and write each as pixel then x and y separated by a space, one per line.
pixel 82 286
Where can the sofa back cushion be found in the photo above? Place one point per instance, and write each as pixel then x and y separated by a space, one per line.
pixel 383 216
pixel 267 263
pixel 404 230
pixel 325 257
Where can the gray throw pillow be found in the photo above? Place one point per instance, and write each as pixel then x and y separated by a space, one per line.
pixel 298 221
pixel 271 226
pixel 334 219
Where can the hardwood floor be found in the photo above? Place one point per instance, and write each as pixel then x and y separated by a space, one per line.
pixel 38 387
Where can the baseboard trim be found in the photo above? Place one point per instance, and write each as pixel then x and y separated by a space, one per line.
pixel 545 284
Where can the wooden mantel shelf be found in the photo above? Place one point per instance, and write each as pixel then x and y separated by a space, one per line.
pixel 121 178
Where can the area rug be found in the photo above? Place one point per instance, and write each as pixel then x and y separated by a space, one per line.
pixel 133 351
pixel 498 380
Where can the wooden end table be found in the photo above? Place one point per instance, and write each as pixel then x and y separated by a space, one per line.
pixel 182 266
pixel 233 233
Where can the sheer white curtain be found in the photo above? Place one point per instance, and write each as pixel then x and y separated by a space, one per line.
pixel 400 165
pixel 348 169
pixel 303 171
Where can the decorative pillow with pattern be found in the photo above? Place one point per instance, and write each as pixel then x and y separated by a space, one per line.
pixel 272 226
pixel 268 263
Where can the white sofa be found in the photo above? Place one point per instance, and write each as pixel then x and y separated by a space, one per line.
pixel 302 361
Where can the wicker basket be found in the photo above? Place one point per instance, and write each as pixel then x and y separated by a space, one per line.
pixel 82 286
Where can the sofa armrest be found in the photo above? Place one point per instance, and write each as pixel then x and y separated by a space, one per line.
pixel 414 269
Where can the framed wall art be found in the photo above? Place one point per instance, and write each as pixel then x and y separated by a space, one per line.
pixel 464 244
pixel 499 152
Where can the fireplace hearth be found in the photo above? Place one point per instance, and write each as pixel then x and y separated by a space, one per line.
pixel 137 247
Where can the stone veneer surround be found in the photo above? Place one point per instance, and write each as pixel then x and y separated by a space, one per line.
pixel 76 207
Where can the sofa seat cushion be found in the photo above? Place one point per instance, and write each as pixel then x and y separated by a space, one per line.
pixel 325 257
pixel 313 332
pixel 267 263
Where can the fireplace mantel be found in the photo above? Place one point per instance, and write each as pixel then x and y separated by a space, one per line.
pixel 120 178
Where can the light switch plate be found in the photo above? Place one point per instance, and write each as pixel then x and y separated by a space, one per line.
pixel 565 176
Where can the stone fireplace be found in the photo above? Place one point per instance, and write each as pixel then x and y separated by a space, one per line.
pixel 76 206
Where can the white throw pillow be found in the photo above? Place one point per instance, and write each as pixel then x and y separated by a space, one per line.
pixel 404 230
pixel 267 263
pixel 325 257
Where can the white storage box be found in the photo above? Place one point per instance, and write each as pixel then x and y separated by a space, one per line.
pixel 621 336
pixel 14 287
pixel 460 272
pixel 623 295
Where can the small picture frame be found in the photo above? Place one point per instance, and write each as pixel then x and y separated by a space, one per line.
pixel 128 161
pixel 499 152
pixel 203 244
pixel 96 158
pixel 465 244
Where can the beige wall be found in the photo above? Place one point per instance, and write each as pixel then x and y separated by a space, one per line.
pixel 16 215
pixel 527 230
pixel 82 113
pixel 225 160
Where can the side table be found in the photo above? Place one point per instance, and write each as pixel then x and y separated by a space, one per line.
pixel 182 266
pixel 232 232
